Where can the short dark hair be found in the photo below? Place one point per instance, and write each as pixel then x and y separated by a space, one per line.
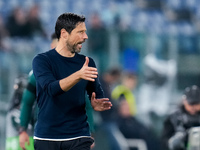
pixel 53 36
pixel 192 94
pixel 68 21
pixel 115 71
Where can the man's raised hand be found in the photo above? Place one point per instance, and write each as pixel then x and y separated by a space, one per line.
pixel 88 73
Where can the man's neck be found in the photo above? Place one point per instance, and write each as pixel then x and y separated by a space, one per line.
pixel 63 50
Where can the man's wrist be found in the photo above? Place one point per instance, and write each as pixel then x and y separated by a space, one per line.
pixel 21 129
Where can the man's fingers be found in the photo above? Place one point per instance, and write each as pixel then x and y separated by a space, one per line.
pixel 92 69
pixel 100 104
pixel 107 104
pixel 103 99
pixel 93 95
pixel 91 76
pixel 86 61
pixel 22 145
pixel 91 72
pixel 90 79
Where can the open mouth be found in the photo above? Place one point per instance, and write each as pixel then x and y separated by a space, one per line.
pixel 80 45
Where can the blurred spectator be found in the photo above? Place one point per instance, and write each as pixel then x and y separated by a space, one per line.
pixel 17 24
pixel 129 81
pixel 109 80
pixel 12 118
pixel 35 23
pixel 98 41
pixel 29 109
pixel 3 33
pixel 132 128
pixel 108 125
pixel 178 123
pixel 98 34
pixel 28 112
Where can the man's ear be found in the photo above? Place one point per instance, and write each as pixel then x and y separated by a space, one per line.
pixel 64 34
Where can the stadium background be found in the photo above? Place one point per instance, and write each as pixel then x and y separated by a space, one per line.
pixel 167 29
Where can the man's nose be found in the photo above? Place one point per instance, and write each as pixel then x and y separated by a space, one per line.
pixel 85 36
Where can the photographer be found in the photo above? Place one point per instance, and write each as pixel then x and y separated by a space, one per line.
pixel 186 116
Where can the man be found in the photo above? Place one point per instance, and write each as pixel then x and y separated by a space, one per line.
pixel 28 101
pixel 62 77
pixel 12 116
pixel 187 116
pixel 128 84
pixel 132 128
pixel 109 79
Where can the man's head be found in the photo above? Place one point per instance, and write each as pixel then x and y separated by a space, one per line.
pixel 129 79
pixel 191 99
pixel 123 107
pixel 112 75
pixel 68 21
pixel 71 29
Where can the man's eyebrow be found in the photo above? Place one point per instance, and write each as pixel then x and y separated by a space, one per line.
pixel 82 30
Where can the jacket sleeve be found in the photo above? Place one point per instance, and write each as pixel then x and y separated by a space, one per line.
pixel 94 86
pixel 28 99
pixel 44 76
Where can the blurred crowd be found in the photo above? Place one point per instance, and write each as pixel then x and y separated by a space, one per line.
pixel 21 24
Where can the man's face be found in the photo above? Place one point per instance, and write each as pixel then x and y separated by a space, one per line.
pixel 76 38
pixel 124 108
pixel 191 109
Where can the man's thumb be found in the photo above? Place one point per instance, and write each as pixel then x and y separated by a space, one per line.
pixel 93 95
pixel 86 61
pixel 28 142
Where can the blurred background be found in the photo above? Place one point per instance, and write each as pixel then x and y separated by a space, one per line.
pixel 157 40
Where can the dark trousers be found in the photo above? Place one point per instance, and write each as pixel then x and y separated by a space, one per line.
pixel 76 144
